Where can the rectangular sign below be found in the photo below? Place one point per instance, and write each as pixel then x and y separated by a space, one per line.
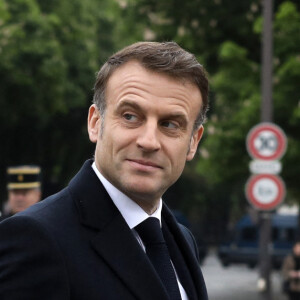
pixel 265 167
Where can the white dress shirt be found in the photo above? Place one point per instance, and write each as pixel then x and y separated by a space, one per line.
pixel 133 214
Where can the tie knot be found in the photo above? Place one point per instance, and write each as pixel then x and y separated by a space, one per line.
pixel 150 231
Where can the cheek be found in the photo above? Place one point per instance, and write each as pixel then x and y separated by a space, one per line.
pixel 178 159
pixel 34 197
pixel 109 147
pixel 178 151
pixel 120 141
pixel 28 198
pixel 16 198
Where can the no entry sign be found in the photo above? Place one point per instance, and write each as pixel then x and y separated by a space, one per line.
pixel 266 141
pixel 265 191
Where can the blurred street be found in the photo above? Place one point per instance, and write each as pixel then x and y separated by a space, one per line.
pixel 236 282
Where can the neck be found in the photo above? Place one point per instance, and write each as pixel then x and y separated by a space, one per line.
pixel 148 207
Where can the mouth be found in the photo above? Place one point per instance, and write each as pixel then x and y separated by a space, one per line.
pixel 144 164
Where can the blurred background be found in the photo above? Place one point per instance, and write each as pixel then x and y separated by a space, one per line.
pixel 51 50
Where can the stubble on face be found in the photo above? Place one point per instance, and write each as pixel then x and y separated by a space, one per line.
pixel 154 94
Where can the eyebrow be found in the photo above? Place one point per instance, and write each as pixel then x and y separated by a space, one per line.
pixel 129 103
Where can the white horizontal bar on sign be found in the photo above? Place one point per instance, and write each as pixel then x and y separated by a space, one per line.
pixel 265 167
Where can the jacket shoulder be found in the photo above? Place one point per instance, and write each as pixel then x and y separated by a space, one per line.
pixel 51 205
pixel 28 252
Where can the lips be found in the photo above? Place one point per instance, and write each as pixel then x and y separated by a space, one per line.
pixel 144 163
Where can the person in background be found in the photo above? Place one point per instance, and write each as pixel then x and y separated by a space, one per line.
pixel 291 273
pixel 108 235
pixel 23 188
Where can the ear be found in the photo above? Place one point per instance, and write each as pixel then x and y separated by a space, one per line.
pixel 196 137
pixel 93 123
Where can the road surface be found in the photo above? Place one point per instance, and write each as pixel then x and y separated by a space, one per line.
pixel 236 282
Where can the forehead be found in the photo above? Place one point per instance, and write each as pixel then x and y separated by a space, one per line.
pixel 135 80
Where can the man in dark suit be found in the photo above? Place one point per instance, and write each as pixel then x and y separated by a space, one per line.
pixel 23 188
pixel 89 241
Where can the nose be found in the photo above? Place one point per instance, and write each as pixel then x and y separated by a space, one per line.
pixel 148 137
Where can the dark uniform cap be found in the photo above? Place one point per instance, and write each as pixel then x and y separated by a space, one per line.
pixel 24 177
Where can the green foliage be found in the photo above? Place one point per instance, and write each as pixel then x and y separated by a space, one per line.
pixel 198 25
pixel 236 106
pixel 29 59
pixel 50 52
pixel 287 89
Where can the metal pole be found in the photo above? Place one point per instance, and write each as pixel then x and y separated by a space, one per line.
pixel 266 116
pixel 264 255
pixel 267 56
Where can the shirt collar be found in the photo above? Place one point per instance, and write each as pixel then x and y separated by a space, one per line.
pixel 131 212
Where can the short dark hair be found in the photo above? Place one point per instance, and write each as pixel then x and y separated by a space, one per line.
pixel 166 58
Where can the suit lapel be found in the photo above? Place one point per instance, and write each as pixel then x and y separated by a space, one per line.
pixel 195 289
pixel 179 263
pixel 114 241
pixel 121 251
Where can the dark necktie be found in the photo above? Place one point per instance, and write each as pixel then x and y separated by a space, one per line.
pixel 157 251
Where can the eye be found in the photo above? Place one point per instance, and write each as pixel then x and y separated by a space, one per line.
pixel 169 124
pixel 130 117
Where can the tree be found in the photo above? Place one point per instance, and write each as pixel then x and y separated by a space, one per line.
pixel 237 108
pixel 50 51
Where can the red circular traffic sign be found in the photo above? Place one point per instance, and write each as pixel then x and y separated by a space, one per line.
pixel 265 191
pixel 266 141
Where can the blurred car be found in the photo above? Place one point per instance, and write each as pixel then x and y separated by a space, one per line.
pixel 242 245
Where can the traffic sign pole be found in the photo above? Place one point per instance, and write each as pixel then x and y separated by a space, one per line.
pixel 266 143
pixel 264 255
pixel 266 116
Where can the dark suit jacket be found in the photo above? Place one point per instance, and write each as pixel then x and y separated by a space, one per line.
pixel 76 245
pixel 5 216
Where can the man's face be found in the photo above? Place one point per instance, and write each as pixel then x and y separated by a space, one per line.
pixel 20 199
pixel 148 132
